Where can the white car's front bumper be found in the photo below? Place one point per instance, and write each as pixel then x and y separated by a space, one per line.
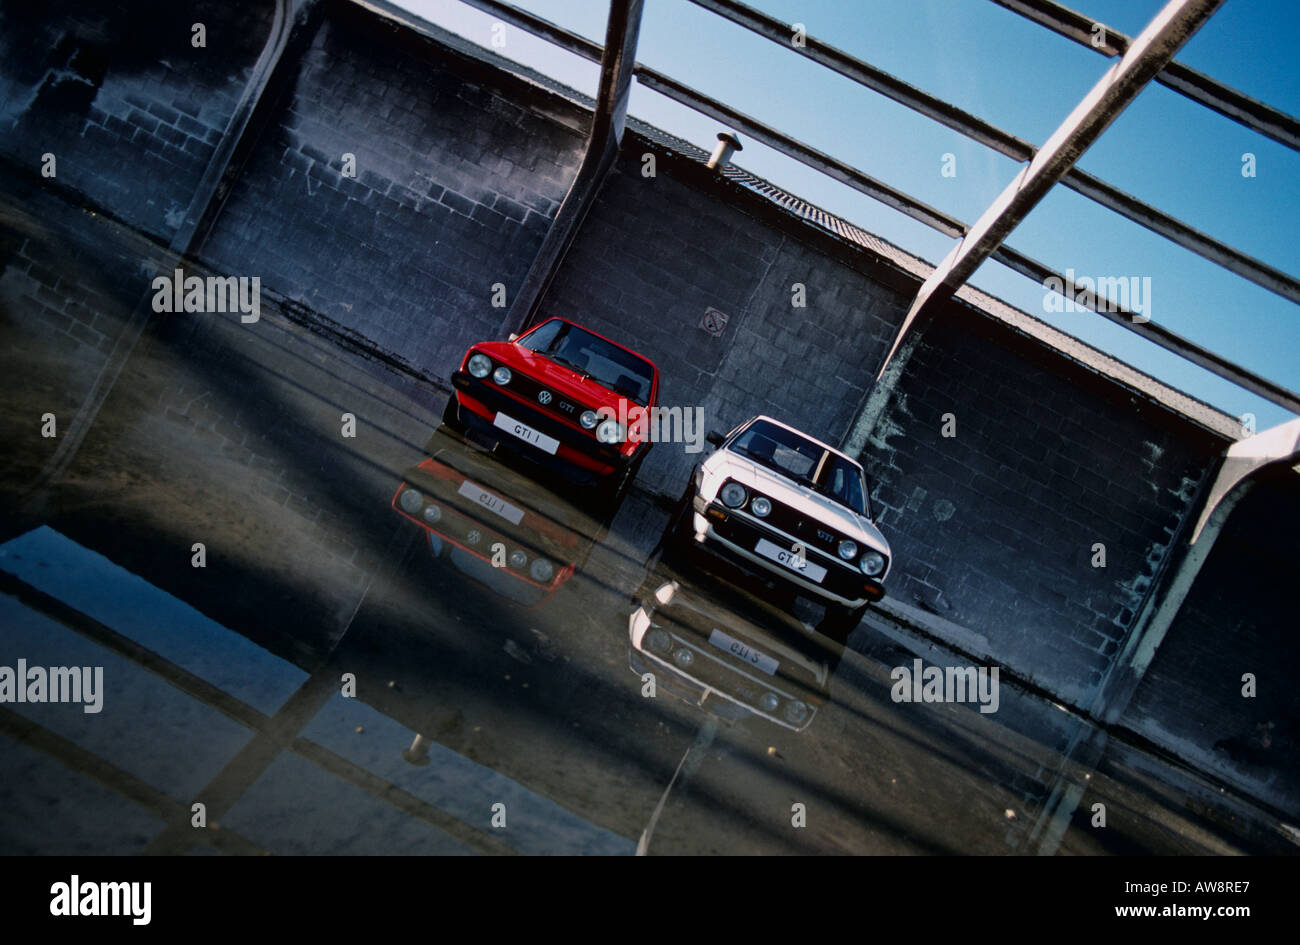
pixel 707 538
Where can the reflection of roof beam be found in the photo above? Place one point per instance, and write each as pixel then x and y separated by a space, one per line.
pixel 1005 143
pixel 1154 48
pixel 1197 86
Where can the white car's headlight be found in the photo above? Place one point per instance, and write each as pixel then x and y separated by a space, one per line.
pixel 588 419
pixel 683 657
pixel 480 365
pixel 796 712
pixel 872 563
pixel 610 431
pixel 848 550
pixel 733 494
pixel 502 375
pixel 760 506
pixel 768 702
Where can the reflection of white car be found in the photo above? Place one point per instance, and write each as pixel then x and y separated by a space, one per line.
pixel 779 504
pixel 709 654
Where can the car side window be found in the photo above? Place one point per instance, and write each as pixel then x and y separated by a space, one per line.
pixel 846 484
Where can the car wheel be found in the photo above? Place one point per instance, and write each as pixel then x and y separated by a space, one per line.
pixel 676 531
pixel 840 622
pixel 613 492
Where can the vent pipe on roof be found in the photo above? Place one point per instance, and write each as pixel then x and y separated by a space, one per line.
pixel 728 144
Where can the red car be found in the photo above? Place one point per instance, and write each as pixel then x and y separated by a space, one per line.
pixel 562 395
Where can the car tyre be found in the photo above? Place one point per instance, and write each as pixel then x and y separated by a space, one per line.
pixel 840 622
pixel 675 537
pixel 613 492
pixel 451 415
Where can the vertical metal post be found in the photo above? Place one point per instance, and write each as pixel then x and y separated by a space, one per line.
pixel 603 142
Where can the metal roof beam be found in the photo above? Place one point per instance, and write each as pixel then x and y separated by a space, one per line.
pixel 529 23
pixel 1077 27
pixel 875 79
pixel 1156 334
pixel 817 160
pixel 1199 87
pixel 1148 54
pixel 1072 24
pixel 618 59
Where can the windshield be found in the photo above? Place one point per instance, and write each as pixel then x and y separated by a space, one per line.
pixel 592 356
pixel 808 463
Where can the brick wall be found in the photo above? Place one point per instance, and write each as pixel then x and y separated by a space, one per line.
pixel 456 182
pixel 116 91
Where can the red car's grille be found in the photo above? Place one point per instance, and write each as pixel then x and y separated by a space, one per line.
pixel 546 398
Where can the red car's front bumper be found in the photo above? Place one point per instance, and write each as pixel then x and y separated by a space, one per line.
pixel 481 401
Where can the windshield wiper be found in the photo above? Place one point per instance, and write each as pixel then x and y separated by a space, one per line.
pixel 570 365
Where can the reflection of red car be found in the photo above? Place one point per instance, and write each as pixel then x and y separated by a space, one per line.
pixel 492 525
pixel 557 395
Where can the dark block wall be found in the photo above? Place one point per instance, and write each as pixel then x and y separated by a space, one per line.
pixel 656 252
pixel 994 527
pixel 1238 618
pixel 455 187
pixel 129 108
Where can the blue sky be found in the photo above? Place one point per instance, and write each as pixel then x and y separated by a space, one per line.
pixel 1164 149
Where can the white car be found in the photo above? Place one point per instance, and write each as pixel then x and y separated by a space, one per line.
pixel 791 510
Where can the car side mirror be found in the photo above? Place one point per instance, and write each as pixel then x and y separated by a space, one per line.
pixel 514 336
pixel 714 438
